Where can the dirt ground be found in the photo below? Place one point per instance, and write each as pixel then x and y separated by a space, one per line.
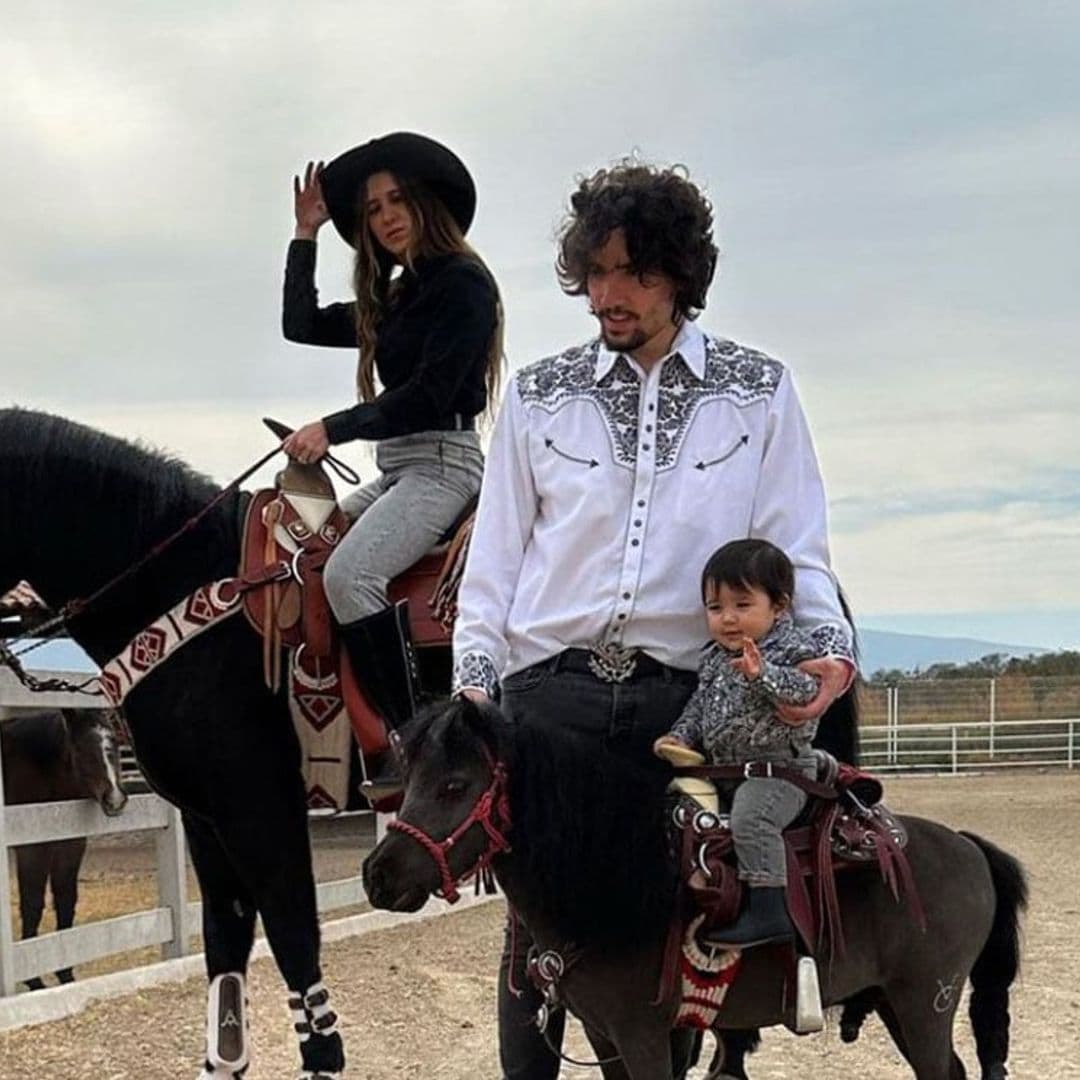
pixel 418 1000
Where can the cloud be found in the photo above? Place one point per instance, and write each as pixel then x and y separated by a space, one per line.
pixel 893 186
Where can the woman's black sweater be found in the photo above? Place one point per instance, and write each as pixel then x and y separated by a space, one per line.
pixel 432 349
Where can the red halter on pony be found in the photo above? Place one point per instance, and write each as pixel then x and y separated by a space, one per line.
pixel 491 812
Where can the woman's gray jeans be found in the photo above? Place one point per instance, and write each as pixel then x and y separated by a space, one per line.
pixel 425 481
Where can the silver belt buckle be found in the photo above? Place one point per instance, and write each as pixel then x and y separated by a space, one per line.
pixel 611 662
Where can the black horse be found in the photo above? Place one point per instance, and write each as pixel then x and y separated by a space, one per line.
pixel 589 870
pixel 50 755
pixel 78 507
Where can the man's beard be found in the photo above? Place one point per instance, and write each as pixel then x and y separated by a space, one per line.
pixel 627 343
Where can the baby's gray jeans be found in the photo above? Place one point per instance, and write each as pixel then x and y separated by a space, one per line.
pixel 761 809
pixel 424 483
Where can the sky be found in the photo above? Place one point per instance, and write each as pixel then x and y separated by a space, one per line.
pixel 895 185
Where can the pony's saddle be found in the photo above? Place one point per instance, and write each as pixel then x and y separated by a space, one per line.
pixel 844 825
pixel 289 533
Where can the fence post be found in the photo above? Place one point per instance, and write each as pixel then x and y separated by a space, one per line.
pixel 993 714
pixel 894 742
pixel 955 751
pixel 7 945
pixel 172 885
pixel 1072 742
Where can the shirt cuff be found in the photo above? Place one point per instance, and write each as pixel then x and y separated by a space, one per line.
pixel 476 671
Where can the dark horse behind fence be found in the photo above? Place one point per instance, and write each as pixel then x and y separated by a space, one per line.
pixel 589 871
pixel 78 507
pixel 50 755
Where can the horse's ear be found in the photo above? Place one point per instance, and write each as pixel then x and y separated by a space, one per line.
pixel 485 720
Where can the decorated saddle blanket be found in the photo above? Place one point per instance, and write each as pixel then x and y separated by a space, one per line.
pixel 289 533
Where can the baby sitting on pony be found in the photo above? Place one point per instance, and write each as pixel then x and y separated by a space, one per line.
pixel 732 718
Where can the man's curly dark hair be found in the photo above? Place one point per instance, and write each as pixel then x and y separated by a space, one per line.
pixel 666 220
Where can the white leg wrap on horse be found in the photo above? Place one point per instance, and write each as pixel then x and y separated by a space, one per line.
pixel 808 1012
pixel 226 1025
pixel 311 1012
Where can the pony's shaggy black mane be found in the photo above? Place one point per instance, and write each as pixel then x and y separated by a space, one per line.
pixel 589 831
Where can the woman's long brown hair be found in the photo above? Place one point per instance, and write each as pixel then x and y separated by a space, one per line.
pixel 439 234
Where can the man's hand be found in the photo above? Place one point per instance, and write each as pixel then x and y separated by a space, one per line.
pixel 835 676
pixel 307 444
pixel 750 661
pixel 477 697
pixel 308 205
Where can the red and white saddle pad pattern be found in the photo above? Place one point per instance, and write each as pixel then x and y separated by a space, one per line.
pixel 317 706
pixel 704 979
pixel 205 607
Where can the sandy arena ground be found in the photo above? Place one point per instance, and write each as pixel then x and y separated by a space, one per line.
pixel 418 1001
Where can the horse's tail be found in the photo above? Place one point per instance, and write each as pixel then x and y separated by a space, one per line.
pixel 997 964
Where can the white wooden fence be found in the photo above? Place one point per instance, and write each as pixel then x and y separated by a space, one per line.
pixel 972 745
pixel 172 924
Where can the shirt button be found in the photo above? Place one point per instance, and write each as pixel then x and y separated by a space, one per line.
pixel 637 524
pixel 645 446
pixel 648 427
pixel 626 596
pixel 634 543
pixel 641 502
pixel 651 407
pixel 622 614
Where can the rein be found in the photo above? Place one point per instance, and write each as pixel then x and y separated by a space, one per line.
pixel 492 812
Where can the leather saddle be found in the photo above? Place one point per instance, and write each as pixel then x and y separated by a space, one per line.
pixel 843 826
pixel 289 532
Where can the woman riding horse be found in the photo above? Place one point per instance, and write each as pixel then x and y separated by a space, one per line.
pixel 433 334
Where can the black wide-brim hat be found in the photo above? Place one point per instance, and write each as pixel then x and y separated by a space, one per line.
pixel 405 154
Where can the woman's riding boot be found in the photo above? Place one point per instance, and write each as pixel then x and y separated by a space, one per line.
pixel 764 920
pixel 381 653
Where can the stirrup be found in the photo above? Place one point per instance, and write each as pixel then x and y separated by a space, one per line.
pixel 809 1016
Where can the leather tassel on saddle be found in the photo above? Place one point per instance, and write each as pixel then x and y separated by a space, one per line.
pixel 271 515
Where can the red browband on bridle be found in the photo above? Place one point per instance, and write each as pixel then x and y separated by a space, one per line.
pixel 491 812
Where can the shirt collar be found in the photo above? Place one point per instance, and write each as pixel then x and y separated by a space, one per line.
pixel 689 343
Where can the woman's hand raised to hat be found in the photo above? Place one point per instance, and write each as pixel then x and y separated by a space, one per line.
pixel 308 205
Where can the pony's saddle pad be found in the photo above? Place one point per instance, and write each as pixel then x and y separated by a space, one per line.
pixel 289 533
pixel 849 829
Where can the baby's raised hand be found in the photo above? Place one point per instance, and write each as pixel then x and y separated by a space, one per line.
pixel 750 661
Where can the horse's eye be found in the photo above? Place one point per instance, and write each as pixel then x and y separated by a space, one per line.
pixel 452 788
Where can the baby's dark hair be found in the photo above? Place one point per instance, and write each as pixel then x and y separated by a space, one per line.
pixel 750 564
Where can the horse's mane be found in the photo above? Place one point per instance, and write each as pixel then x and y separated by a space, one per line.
pixel 60 455
pixel 62 483
pixel 588 832
pixel 38 736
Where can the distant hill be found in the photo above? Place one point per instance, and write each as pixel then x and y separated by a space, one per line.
pixel 883 649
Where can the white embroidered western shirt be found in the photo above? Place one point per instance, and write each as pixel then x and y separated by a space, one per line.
pixel 607 488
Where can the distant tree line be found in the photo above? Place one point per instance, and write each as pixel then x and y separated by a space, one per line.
pixel 991 666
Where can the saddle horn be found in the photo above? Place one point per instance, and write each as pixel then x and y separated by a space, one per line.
pixel 344 472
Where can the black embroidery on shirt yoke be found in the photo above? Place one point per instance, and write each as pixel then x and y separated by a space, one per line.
pixel 738 374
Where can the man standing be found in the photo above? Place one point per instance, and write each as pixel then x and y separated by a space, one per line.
pixel 616 468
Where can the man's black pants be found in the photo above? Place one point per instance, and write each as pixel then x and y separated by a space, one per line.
pixel 623 718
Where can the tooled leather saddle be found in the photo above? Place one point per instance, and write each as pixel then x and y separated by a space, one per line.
pixel 844 826
pixel 289 533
